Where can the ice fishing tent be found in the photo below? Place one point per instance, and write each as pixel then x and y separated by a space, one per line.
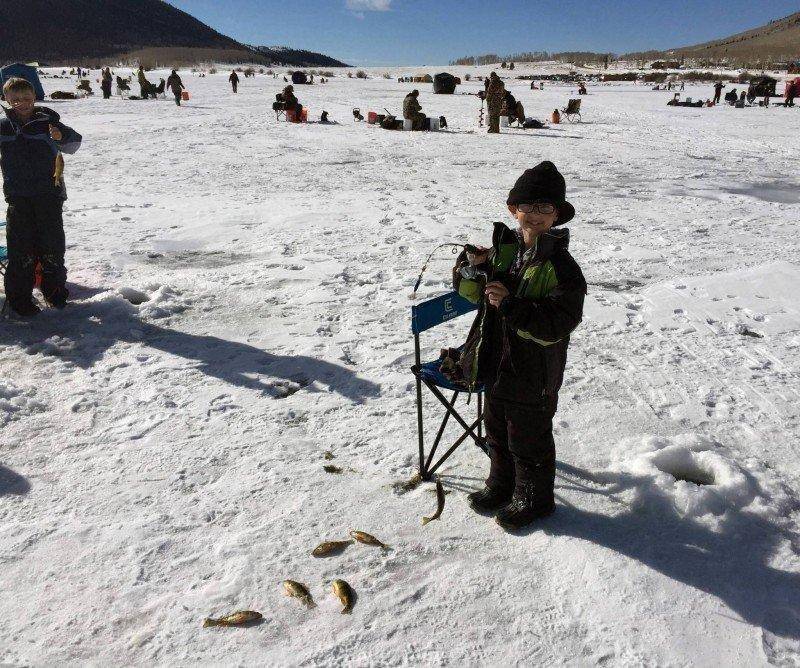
pixel 299 77
pixel 444 83
pixel 23 72
pixel 763 85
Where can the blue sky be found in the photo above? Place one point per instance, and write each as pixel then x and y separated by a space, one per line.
pixel 421 32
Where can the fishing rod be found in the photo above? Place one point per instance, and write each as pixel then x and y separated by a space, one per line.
pixel 448 244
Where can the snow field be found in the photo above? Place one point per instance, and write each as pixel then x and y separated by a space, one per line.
pixel 241 307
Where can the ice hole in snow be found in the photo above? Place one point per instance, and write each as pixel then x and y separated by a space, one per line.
pixel 133 295
pixel 687 472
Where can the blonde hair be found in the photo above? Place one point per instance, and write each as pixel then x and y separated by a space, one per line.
pixel 18 85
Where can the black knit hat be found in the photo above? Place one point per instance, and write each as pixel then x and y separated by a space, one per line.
pixel 543 183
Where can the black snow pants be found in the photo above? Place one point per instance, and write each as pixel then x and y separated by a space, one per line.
pixel 522 449
pixel 35 232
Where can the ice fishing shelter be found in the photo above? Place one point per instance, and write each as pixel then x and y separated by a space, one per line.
pixel 762 85
pixel 444 83
pixel 299 77
pixel 23 72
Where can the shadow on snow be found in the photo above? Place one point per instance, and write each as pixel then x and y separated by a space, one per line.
pixel 13 483
pixel 86 331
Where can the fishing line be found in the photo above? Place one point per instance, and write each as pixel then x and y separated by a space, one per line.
pixel 452 245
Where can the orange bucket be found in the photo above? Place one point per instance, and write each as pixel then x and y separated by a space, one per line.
pixel 185 96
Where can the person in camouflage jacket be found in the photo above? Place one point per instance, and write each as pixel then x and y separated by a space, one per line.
pixel 412 110
pixel 495 93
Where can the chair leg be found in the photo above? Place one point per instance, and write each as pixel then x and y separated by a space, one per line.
pixel 469 429
pixel 440 432
pixel 420 433
pixel 480 415
pixel 455 445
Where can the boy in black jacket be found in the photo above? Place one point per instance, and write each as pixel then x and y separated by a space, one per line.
pixel 531 292
pixel 31 142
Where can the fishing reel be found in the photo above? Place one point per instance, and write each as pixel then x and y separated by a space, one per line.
pixel 475 273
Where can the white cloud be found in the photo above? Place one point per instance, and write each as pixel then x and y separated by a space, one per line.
pixel 368 5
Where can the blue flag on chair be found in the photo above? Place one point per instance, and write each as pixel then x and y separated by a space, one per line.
pixel 438 310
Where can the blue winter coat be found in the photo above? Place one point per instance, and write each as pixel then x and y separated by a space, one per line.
pixel 28 154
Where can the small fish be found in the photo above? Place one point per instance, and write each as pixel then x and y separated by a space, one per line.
pixel 330 547
pixel 367 539
pixel 58 171
pixel 329 455
pixel 439 504
pixel 298 590
pixel 330 468
pixel 241 618
pixel 401 487
pixel 345 594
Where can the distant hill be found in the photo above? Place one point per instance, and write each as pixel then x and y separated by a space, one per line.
pixel 80 31
pixel 778 40
pixel 298 57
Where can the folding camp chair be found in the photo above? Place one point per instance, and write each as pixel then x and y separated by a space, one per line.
pixel 424 316
pixel 572 111
pixel 279 107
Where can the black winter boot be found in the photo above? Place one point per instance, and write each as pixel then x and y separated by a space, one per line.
pixel 26 309
pixel 524 509
pixel 488 500
pixel 57 298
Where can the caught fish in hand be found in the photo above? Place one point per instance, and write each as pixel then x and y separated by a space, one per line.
pixel 345 594
pixel 367 539
pixel 439 504
pixel 330 547
pixel 300 591
pixel 241 618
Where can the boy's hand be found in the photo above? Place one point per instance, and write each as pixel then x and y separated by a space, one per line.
pixel 496 292
pixel 55 133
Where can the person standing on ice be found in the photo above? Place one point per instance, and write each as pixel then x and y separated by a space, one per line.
pixel 31 142
pixel 531 294
pixel 144 85
pixel 105 86
pixel 175 84
pixel 495 94
pixel 718 91
pixel 234 79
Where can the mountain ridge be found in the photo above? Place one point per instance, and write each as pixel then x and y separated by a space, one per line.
pixel 56 32
pixel 775 41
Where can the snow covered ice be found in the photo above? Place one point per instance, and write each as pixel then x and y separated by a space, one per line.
pixel 241 306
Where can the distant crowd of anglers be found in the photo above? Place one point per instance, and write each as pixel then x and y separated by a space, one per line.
pixel 503 109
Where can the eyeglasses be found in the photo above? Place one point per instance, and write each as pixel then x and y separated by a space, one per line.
pixel 537 207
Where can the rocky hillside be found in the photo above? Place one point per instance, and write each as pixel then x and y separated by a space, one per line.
pixel 778 40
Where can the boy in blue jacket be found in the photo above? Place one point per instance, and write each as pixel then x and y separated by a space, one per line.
pixel 31 142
